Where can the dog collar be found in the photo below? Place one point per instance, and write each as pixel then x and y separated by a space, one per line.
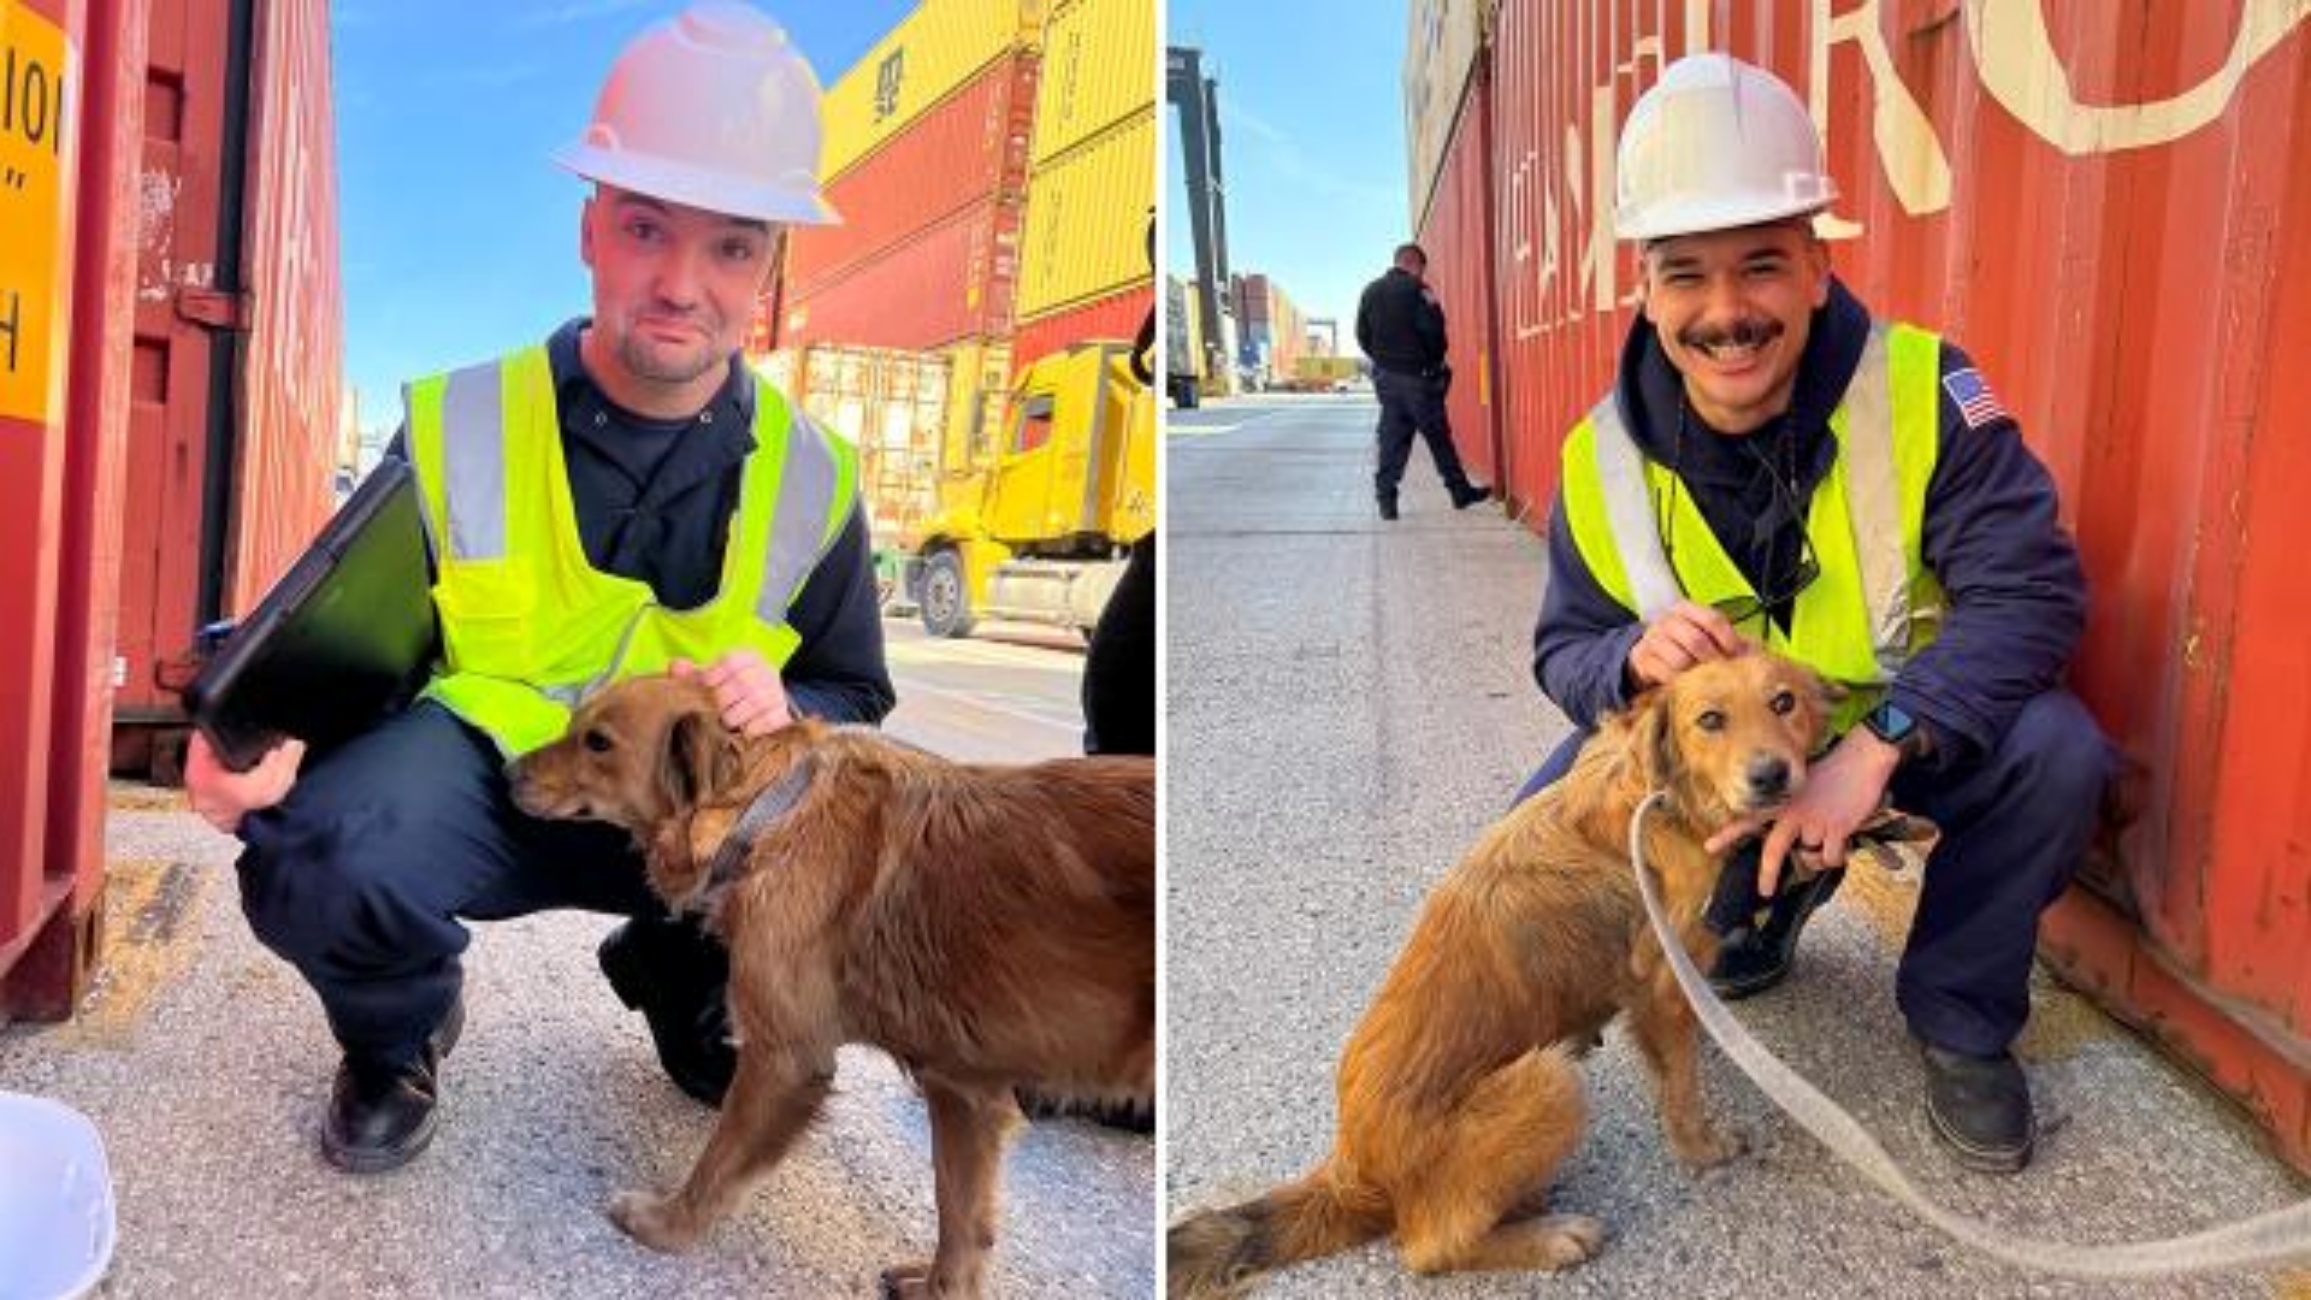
pixel 775 801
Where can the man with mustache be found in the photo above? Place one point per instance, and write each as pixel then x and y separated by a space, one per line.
pixel 1400 325
pixel 626 497
pixel 1775 467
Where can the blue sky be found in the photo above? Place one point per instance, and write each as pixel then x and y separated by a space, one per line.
pixel 1312 120
pixel 459 235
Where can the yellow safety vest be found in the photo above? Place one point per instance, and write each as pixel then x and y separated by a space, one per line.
pixel 528 626
pixel 1874 604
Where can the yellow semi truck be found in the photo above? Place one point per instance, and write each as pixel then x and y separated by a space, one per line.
pixel 1033 524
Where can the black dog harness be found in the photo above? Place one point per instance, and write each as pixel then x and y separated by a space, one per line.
pixel 776 800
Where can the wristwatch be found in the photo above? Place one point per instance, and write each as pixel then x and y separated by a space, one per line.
pixel 1892 723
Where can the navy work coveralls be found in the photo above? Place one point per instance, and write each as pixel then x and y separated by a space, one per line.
pixel 361 877
pixel 1400 326
pixel 2018 770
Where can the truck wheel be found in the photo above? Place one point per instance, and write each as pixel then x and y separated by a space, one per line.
pixel 946 596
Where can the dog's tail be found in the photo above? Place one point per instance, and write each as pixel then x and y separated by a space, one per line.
pixel 1215 1253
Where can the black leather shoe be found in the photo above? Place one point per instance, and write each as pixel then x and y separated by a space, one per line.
pixel 1980 1108
pixel 1136 1115
pixel 1388 509
pixel 1754 959
pixel 381 1116
pixel 679 980
pixel 1469 495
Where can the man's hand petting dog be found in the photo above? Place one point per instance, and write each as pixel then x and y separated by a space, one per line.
pixel 746 688
pixel 1681 637
pixel 1813 829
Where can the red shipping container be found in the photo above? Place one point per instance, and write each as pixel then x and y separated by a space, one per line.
pixel 1117 316
pixel 2104 204
pixel 967 149
pixel 952 281
pixel 238 353
pixel 1251 293
pixel 1458 241
pixel 291 362
pixel 46 905
pixel 143 280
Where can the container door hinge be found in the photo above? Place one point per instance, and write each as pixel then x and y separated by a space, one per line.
pixel 218 309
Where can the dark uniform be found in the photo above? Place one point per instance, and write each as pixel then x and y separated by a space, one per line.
pixel 1119 667
pixel 2018 767
pixel 362 876
pixel 1400 326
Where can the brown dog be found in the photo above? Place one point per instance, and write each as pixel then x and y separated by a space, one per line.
pixel 986 926
pixel 1458 1094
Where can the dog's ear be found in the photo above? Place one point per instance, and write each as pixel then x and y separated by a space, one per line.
pixel 1827 696
pixel 701 757
pixel 1653 738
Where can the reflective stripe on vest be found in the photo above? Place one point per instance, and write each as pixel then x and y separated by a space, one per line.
pixel 1874 501
pixel 1629 510
pixel 800 533
pixel 474 477
pixel 1884 553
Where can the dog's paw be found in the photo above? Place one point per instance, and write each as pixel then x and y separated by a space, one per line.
pixel 653 1220
pixel 1569 1239
pixel 1709 1148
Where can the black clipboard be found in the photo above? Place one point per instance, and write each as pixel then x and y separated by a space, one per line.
pixel 344 639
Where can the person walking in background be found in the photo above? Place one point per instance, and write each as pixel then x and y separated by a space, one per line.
pixel 1400 326
pixel 1776 467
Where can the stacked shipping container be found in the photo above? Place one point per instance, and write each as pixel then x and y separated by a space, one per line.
pixel 926 161
pixel 2099 202
pixel 892 404
pixel 185 243
pixel 993 171
pixel 1084 266
pixel 1272 330
pixel 1448 100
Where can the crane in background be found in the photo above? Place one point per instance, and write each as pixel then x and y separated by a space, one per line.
pixel 1196 98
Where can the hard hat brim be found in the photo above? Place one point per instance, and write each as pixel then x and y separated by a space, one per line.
pixel 694 187
pixel 1697 216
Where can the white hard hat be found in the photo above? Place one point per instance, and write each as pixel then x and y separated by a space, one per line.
pixel 712 109
pixel 1714 145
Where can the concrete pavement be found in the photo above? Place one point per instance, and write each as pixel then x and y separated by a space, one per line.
pixel 1349 703
pixel 205 1064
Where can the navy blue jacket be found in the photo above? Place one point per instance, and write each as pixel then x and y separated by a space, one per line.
pixel 1992 537
pixel 654 500
pixel 1400 325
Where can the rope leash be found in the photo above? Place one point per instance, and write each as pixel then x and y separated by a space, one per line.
pixel 2266 1238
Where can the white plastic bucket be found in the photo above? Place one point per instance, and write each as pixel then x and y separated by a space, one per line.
pixel 56 1211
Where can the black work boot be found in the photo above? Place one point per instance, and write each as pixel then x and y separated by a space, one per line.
pixel 1980 1108
pixel 1388 509
pixel 382 1115
pixel 1469 494
pixel 1756 955
pixel 678 977
pixel 1134 1115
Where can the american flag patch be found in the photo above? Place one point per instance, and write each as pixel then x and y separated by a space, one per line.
pixel 1975 400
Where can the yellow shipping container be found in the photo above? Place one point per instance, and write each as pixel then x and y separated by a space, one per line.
pixel 1086 231
pixel 977 373
pixel 1098 68
pixel 938 47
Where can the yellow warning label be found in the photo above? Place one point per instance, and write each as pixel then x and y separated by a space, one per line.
pixel 36 82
